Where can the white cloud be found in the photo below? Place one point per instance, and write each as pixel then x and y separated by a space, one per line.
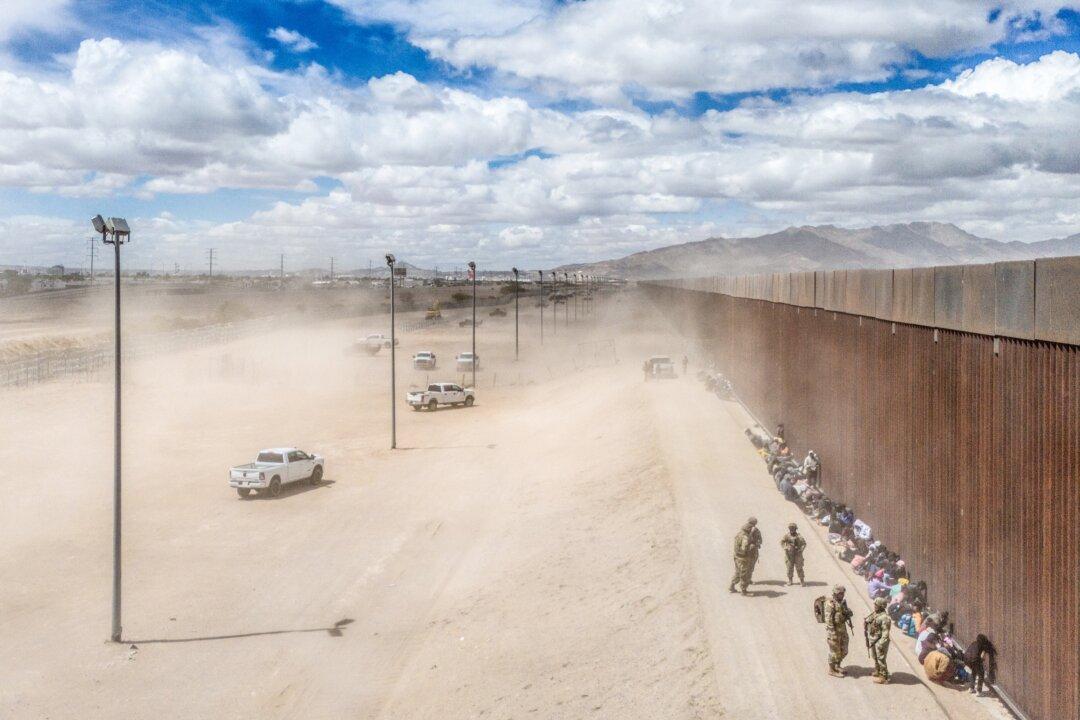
pixel 672 48
pixel 23 15
pixel 453 17
pixel 995 149
pixel 292 39
pixel 1054 77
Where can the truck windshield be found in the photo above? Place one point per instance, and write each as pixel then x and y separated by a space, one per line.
pixel 266 457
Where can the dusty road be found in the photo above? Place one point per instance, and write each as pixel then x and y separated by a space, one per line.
pixel 561 550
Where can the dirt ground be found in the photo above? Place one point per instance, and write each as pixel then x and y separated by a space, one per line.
pixel 560 550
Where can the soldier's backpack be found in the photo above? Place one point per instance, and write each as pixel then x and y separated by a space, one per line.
pixel 819 609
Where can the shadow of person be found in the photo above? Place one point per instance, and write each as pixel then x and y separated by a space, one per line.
pixel 815 583
pixel 778 583
pixel 903 678
pixel 765 593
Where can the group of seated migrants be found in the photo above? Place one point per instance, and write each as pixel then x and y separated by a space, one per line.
pixel 885 572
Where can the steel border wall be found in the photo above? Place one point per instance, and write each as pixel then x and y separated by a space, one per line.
pixel 962 451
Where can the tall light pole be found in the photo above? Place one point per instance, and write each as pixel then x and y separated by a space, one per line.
pixel 516 347
pixel 121 233
pixel 390 261
pixel 541 307
pixel 566 281
pixel 472 274
pixel 554 303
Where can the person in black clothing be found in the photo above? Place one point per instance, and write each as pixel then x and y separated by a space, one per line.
pixel 981 659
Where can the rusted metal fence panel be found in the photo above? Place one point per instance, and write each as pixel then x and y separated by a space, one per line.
pixel 1057 299
pixel 962 452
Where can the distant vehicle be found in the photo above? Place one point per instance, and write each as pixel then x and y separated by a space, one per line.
pixel 424 360
pixel 274 468
pixel 465 361
pixel 468 321
pixel 441 394
pixel 497 312
pixel 434 312
pixel 659 366
pixel 380 340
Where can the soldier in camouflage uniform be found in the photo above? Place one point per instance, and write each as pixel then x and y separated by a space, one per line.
pixel 793 544
pixel 837 615
pixel 877 626
pixel 747 543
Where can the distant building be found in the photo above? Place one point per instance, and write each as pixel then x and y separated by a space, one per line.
pixel 57 270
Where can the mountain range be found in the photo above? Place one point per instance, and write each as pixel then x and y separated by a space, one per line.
pixel 826 247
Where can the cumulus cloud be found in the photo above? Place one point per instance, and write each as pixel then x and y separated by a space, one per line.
pixel 292 39
pixel 439 172
pixel 672 48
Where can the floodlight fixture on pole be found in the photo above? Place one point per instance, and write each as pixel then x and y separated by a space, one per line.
pixel 472 273
pixel 516 346
pixel 390 262
pixel 120 232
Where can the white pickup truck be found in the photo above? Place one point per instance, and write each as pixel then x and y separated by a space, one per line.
pixel 465 361
pixel 275 467
pixel 441 394
pixel 424 360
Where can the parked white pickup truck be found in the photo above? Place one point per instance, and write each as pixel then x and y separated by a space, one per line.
pixel 424 360
pixel 464 361
pixel 275 467
pixel 441 394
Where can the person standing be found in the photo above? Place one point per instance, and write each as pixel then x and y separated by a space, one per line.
pixel 837 618
pixel 794 544
pixel 876 627
pixel 685 362
pixel 747 543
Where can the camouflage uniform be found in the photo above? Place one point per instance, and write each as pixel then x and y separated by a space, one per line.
pixel 793 544
pixel 747 543
pixel 836 633
pixel 877 626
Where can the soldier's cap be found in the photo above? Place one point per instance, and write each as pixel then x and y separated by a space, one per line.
pixel 881 603
pixel 837 589
pixel 752 521
pixel 792 526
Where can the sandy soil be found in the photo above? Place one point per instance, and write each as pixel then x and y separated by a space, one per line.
pixel 560 550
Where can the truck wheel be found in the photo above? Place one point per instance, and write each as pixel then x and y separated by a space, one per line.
pixel 316 475
pixel 243 492
pixel 416 408
pixel 469 401
pixel 275 487
pixel 433 405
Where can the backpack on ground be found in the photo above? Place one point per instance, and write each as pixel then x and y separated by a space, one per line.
pixel 819 609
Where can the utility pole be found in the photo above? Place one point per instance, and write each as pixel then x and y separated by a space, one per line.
pixel 210 254
pixel 93 254
pixel 517 353
pixel 566 281
pixel 390 261
pixel 331 268
pixel 121 233
pixel 575 297
pixel 554 303
pixel 282 269
pixel 472 274
pixel 541 307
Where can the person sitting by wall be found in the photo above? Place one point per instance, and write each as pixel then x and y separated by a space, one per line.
pixel 879 585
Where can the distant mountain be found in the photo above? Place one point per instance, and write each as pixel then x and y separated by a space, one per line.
pixel 827 247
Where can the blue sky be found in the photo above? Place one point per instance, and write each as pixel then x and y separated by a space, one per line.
pixel 528 131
